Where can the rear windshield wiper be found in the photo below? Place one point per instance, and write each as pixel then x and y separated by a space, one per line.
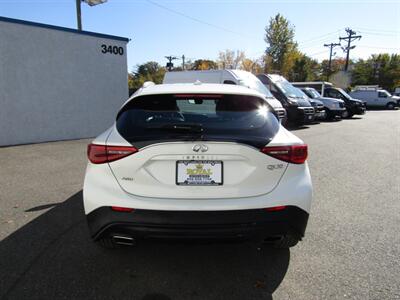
pixel 180 127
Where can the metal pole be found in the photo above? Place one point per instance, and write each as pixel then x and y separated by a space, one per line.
pixel 183 62
pixel 78 14
pixel 330 64
pixel 348 53
pixel 331 46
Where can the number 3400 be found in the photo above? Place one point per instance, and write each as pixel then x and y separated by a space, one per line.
pixel 112 49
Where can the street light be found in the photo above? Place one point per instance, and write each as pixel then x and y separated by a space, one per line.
pixel 78 9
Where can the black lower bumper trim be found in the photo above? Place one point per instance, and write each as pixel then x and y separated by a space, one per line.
pixel 234 224
pixel 358 110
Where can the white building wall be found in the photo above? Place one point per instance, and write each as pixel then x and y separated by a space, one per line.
pixel 56 84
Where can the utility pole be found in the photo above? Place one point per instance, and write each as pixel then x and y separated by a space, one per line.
pixel 78 14
pixel 170 65
pixel 183 62
pixel 331 46
pixel 351 37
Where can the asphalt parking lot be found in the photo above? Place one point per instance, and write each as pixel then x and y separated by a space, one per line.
pixel 351 249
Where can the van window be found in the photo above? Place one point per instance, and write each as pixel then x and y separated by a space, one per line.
pixel 383 94
pixel 229 82
pixel 288 89
pixel 252 82
pixel 334 94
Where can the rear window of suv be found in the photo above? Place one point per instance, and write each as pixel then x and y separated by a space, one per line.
pixel 153 119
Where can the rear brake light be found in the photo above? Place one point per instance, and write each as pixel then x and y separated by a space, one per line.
pixel 122 209
pixel 296 154
pixel 209 96
pixel 275 208
pixel 100 154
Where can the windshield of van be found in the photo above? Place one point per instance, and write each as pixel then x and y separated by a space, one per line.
pixel 289 90
pixel 314 93
pixel 254 83
pixel 167 117
pixel 385 92
pixel 344 93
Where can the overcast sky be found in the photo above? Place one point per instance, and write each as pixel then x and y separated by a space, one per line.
pixel 201 28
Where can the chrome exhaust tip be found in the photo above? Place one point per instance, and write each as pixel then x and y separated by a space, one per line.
pixel 121 239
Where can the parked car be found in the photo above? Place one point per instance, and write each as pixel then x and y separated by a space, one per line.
pixel 326 89
pixel 234 77
pixel 396 92
pixel 319 109
pixel 197 161
pixel 333 107
pixel 375 97
pixel 298 108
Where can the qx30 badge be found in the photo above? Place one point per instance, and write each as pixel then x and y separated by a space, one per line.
pixel 202 148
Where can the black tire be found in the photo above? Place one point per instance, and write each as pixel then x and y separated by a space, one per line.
pixel 347 114
pixel 390 105
pixel 329 115
pixel 106 242
pixel 286 242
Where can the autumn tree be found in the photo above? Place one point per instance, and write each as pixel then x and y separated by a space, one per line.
pixel 252 65
pixel 337 65
pixel 204 64
pixel 230 59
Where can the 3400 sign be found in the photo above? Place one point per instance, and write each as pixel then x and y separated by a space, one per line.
pixel 112 49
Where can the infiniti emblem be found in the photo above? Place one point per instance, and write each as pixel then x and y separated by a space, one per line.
pixel 202 148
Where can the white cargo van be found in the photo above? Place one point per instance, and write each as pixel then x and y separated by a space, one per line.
pixel 375 96
pixel 237 77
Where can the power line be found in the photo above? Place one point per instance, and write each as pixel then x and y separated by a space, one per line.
pixel 378 30
pixel 316 53
pixel 351 37
pixel 197 20
pixel 379 34
pixel 324 36
pixel 375 47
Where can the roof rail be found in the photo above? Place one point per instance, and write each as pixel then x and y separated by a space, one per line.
pixel 366 88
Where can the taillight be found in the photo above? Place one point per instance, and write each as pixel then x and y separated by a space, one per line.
pixel 296 154
pixel 275 208
pixel 100 154
pixel 122 209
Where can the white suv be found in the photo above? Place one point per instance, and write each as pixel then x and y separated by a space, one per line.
pixel 197 161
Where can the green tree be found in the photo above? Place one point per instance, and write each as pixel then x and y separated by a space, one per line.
pixel 304 69
pixel 150 71
pixel 279 36
pixel 379 69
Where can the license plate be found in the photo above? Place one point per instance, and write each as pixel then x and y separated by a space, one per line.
pixel 199 172
pixel 309 117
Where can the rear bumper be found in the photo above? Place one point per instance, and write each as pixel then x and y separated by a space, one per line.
pixel 250 224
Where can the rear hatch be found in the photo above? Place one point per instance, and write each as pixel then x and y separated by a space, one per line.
pixel 197 146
